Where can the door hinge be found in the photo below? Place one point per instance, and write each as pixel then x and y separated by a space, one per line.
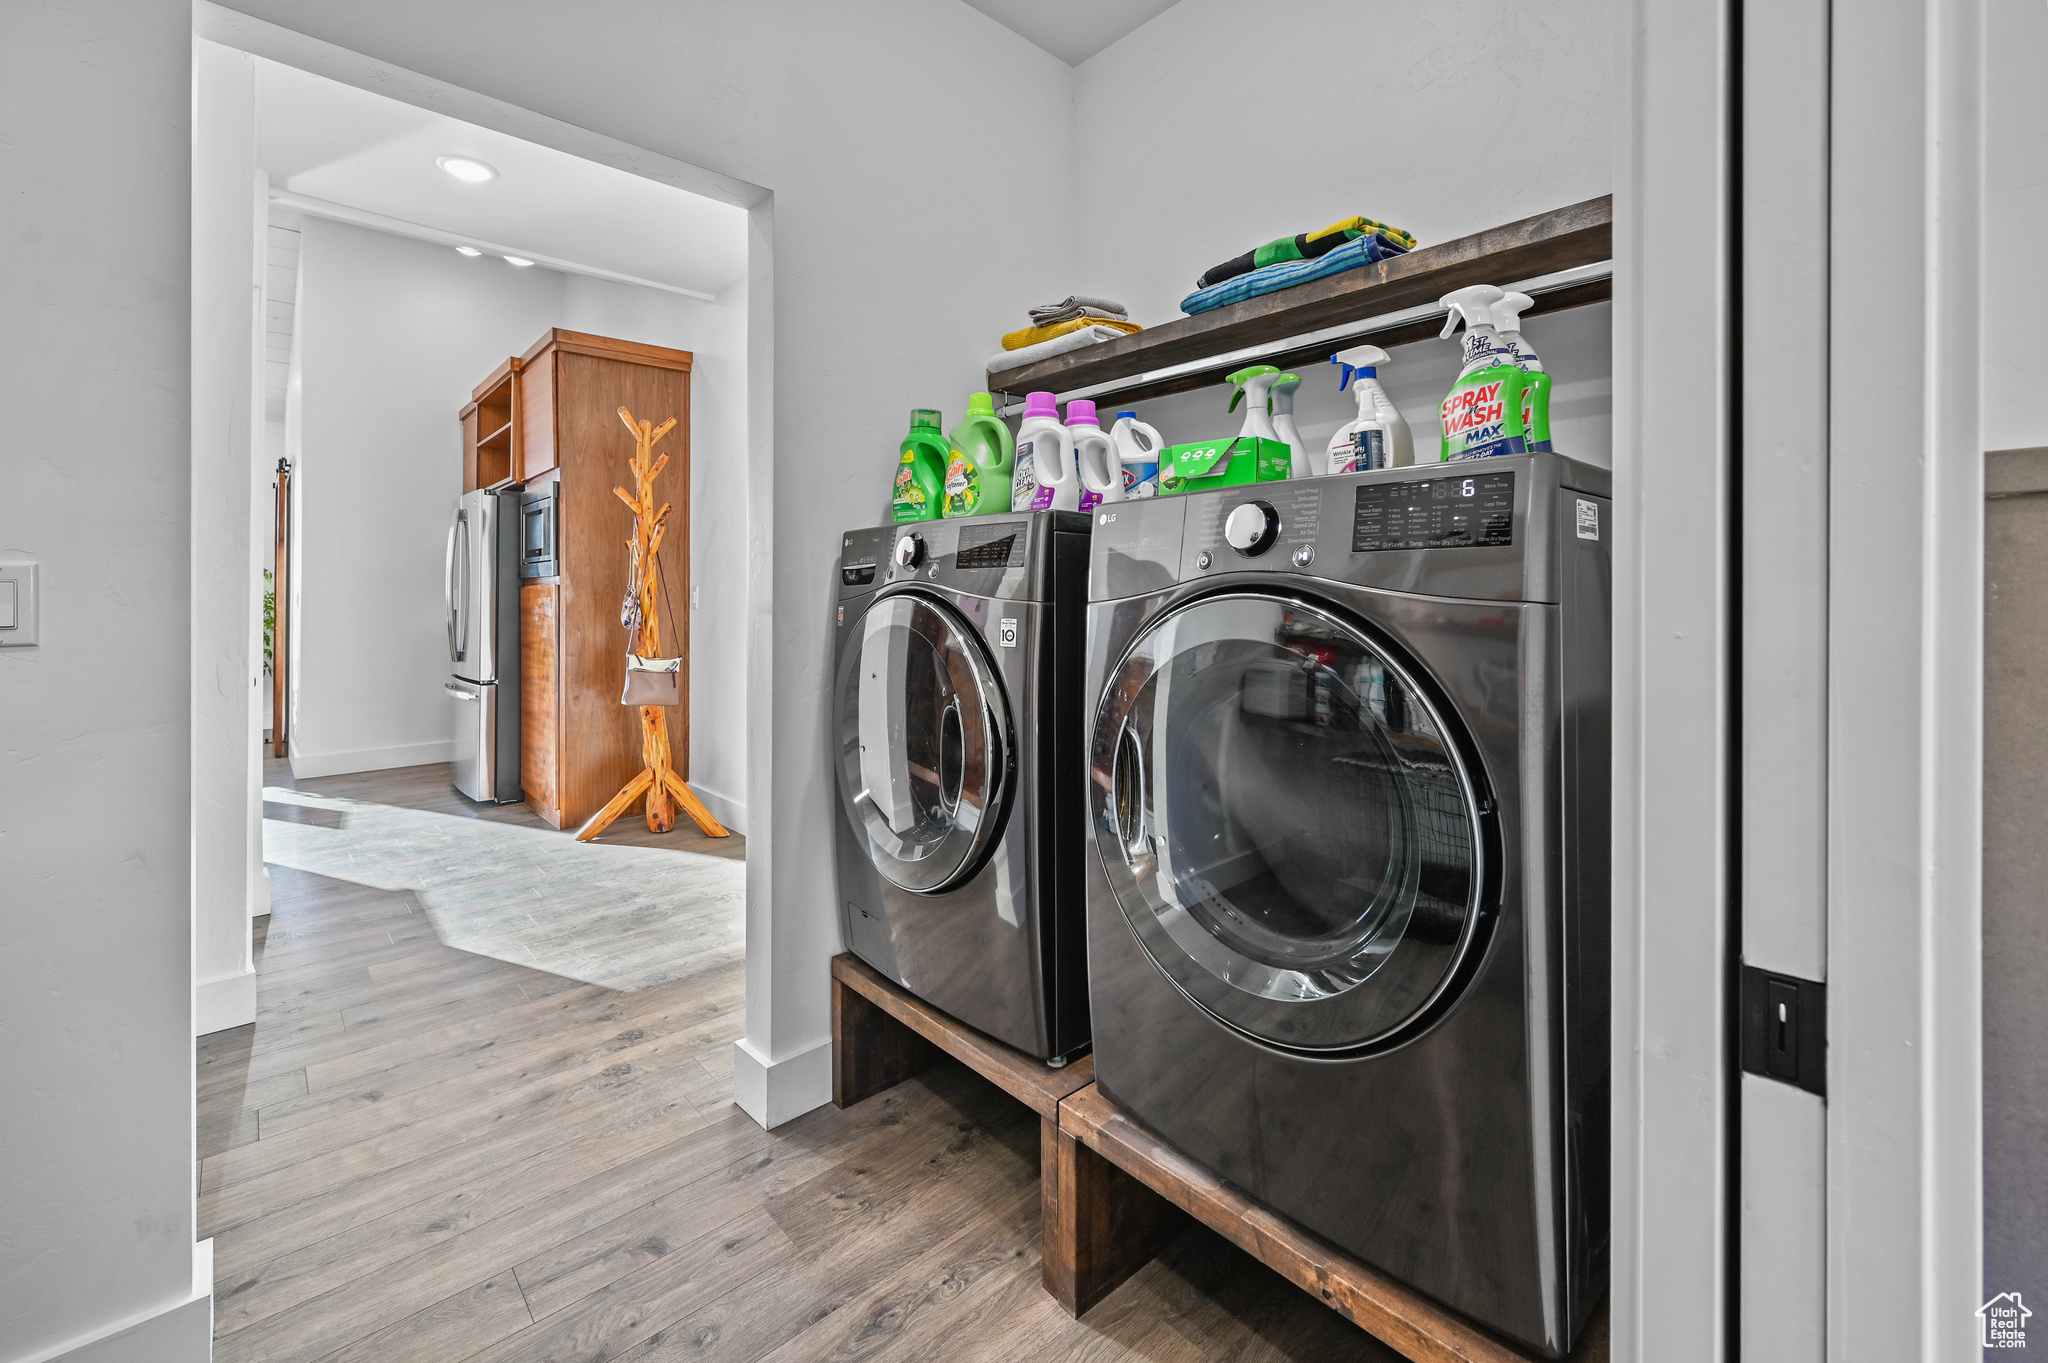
pixel 1785 1029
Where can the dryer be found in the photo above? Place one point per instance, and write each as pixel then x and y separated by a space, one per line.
pixel 1348 878
pixel 959 740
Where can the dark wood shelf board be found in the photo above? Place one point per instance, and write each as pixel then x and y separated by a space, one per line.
pixel 1026 1078
pixel 1562 239
pixel 1409 1322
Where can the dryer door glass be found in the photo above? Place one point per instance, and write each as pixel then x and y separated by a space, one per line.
pixel 1287 826
pixel 923 750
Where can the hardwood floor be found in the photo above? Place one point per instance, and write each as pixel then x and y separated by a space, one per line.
pixel 423 1153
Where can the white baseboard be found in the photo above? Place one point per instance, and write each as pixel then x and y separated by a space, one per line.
pixel 179 1333
pixel 341 763
pixel 229 1001
pixel 774 1092
pixel 728 811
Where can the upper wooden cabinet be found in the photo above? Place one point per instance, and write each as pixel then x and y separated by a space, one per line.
pixel 563 381
pixel 490 431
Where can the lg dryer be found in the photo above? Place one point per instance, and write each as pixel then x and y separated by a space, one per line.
pixel 1348 881
pixel 958 749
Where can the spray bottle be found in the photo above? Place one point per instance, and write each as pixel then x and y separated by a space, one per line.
pixel 920 470
pixel 1507 321
pixel 1094 456
pixel 978 473
pixel 1299 463
pixel 1043 476
pixel 1137 452
pixel 1379 439
pixel 1254 389
pixel 1482 414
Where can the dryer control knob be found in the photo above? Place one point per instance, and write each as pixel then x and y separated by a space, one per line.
pixel 1252 528
pixel 910 551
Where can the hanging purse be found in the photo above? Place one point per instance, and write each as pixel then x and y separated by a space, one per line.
pixel 652 681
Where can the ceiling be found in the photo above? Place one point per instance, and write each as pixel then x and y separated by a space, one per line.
pixel 324 141
pixel 1072 30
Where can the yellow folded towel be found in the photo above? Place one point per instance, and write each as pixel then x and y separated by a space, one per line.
pixel 1017 340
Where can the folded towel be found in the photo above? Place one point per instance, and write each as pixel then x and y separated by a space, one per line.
pixel 1058 345
pixel 1017 340
pixel 1077 305
pixel 1350 256
pixel 1307 246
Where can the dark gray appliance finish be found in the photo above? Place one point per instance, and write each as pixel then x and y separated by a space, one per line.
pixel 481 586
pixel 540 524
pixel 1348 870
pixel 959 742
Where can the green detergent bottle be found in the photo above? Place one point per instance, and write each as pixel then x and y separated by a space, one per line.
pixel 921 471
pixel 1482 414
pixel 978 471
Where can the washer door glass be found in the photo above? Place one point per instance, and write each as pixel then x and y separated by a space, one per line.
pixel 1287 826
pixel 923 764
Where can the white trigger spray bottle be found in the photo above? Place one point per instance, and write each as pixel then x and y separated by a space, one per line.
pixel 1482 414
pixel 1282 390
pixel 1507 321
pixel 1379 438
pixel 1254 389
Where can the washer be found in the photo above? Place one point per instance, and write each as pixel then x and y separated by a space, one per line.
pixel 959 740
pixel 1348 878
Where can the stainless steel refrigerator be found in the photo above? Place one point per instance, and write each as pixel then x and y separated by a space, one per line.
pixel 482 590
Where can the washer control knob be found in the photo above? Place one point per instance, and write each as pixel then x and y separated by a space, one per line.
pixel 1252 528
pixel 910 551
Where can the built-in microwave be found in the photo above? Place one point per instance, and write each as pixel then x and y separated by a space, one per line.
pixel 540 530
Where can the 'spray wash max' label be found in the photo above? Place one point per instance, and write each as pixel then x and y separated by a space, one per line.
pixel 1482 415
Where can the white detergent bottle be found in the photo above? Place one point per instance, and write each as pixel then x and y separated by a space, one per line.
pixel 1043 477
pixel 1379 438
pixel 1254 390
pixel 1299 463
pixel 1102 479
pixel 1137 452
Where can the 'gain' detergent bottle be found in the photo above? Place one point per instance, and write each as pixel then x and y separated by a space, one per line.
pixel 920 470
pixel 978 473
pixel 1482 414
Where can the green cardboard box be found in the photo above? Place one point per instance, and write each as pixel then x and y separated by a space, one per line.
pixel 1222 463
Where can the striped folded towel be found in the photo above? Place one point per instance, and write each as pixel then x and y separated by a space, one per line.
pixel 1350 256
pixel 1305 246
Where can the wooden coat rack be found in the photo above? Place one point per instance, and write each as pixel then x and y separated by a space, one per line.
pixel 657 779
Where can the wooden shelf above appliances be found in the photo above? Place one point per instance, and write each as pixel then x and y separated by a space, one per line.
pixel 490 433
pixel 1562 258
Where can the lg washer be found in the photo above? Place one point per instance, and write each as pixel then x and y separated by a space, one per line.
pixel 1348 879
pixel 959 739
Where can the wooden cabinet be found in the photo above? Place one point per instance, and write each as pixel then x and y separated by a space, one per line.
pixel 578 745
pixel 490 432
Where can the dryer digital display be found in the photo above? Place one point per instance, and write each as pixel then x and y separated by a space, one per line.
pixel 995 546
pixel 1445 512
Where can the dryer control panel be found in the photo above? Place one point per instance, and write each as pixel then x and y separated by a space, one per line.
pixel 1487 529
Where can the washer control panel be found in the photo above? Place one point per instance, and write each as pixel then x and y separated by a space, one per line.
pixel 1448 511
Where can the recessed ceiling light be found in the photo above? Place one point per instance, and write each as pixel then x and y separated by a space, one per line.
pixel 467 168
pixel 515 260
pixel 469 250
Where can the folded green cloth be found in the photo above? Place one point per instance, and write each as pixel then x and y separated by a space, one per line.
pixel 1306 246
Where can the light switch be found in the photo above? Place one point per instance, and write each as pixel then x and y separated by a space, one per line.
pixel 17 603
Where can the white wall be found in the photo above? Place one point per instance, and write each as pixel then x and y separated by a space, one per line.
pixel 1388 110
pixel 393 334
pixel 96 1218
pixel 226 806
